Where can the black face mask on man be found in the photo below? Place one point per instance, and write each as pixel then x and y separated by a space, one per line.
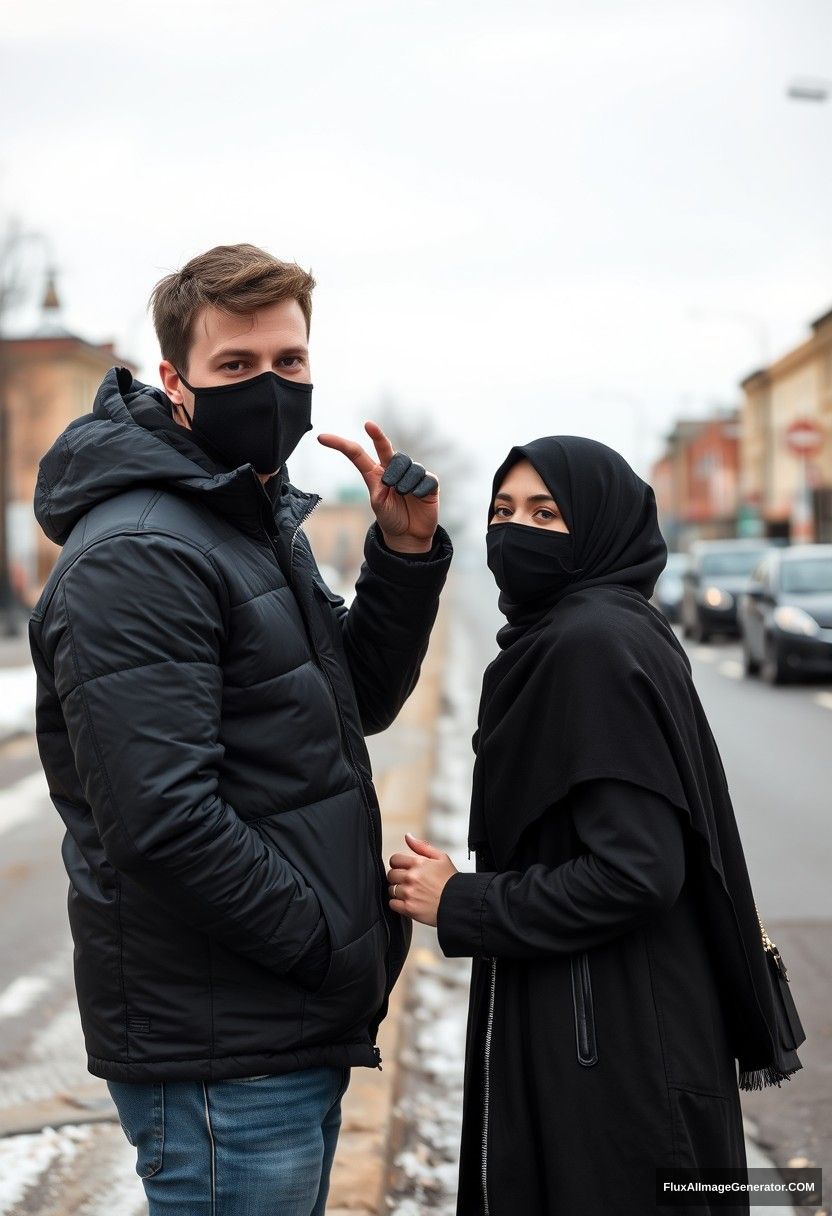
pixel 529 562
pixel 258 421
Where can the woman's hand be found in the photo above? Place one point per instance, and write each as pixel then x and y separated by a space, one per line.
pixel 417 880
pixel 403 495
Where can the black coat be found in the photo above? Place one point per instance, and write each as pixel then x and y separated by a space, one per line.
pixel 602 1051
pixel 202 704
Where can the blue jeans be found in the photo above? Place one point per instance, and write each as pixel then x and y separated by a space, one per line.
pixel 260 1146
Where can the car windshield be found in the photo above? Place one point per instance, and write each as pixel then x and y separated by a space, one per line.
pixel 805 575
pixel 733 561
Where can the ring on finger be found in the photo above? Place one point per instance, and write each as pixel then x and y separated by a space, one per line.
pixel 395 889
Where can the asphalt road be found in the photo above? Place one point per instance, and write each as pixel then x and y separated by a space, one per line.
pixel 777 749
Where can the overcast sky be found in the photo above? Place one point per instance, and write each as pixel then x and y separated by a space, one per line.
pixel 523 217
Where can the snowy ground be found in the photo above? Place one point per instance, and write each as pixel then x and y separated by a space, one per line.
pixel 429 1109
pixel 17 701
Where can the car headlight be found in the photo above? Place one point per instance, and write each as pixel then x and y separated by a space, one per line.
pixel 795 620
pixel 715 597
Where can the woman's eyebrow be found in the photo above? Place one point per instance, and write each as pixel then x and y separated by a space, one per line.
pixel 531 498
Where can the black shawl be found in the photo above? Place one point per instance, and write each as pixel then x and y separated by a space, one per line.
pixel 591 682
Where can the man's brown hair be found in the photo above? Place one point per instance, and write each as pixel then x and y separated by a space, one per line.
pixel 234 278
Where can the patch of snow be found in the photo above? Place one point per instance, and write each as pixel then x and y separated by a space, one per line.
pixel 21 994
pixel 25 1159
pixel 23 801
pixel 17 701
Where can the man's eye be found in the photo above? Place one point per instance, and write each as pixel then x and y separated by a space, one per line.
pixel 233 366
pixel 290 360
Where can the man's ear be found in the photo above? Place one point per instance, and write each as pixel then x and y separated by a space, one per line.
pixel 171 382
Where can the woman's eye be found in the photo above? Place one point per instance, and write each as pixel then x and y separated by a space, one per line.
pixel 547 515
pixel 502 512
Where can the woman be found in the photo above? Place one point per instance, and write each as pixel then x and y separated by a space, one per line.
pixel 619 971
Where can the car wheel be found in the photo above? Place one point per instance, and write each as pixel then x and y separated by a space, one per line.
pixel 750 665
pixel 773 668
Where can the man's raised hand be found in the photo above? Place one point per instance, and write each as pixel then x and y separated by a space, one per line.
pixel 403 495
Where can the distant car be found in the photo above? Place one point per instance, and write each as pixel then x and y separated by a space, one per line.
pixel 667 595
pixel 717 575
pixel 785 614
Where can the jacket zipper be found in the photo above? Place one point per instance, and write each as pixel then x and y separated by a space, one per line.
pixel 348 753
pixel 486 1088
pixel 585 1038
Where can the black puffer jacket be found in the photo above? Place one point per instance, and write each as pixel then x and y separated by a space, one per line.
pixel 202 705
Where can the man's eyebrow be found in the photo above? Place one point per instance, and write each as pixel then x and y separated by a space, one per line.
pixel 236 352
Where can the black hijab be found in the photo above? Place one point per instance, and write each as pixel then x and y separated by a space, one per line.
pixel 591 682
pixel 611 516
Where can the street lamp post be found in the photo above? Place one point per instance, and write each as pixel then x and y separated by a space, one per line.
pixel 809 88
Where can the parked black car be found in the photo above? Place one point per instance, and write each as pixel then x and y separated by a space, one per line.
pixel 667 595
pixel 785 614
pixel 717 575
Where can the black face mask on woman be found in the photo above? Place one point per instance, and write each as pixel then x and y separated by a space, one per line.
pixel 528 562
pixel 259 421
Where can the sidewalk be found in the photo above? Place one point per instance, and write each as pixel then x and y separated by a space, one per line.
pixel 403 761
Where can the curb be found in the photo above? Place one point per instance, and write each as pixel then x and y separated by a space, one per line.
pixel 359 1175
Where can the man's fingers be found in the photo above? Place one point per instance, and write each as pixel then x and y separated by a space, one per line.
pixel 362 460
pixel 428 485
pixel 383 446
pixel 397 466
pixel 407 476
pixel 403 474
pixel 408 482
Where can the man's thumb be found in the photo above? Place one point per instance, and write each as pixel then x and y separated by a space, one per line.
pixel 422 847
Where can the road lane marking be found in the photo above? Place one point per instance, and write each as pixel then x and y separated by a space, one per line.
pixel 732 668
pixel 21 995
pixel 824 699
pixel 23 801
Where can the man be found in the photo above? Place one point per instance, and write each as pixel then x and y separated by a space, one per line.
pixel 202 705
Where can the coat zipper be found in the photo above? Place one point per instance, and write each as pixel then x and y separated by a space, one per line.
pixel 585 1038
pixel 486 1087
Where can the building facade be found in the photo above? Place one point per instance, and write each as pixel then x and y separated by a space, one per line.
pixel 47 378
pixel 777 483
pixel 696 480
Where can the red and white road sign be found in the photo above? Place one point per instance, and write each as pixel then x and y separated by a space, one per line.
pixel 804 436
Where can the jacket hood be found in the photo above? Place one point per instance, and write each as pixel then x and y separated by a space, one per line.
pixel 109 451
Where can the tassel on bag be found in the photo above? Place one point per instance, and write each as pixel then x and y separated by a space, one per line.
pixel 791 1032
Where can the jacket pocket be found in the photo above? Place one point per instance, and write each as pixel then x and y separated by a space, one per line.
pixel 141 1112
pixel 352 991
pixel 585 1036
